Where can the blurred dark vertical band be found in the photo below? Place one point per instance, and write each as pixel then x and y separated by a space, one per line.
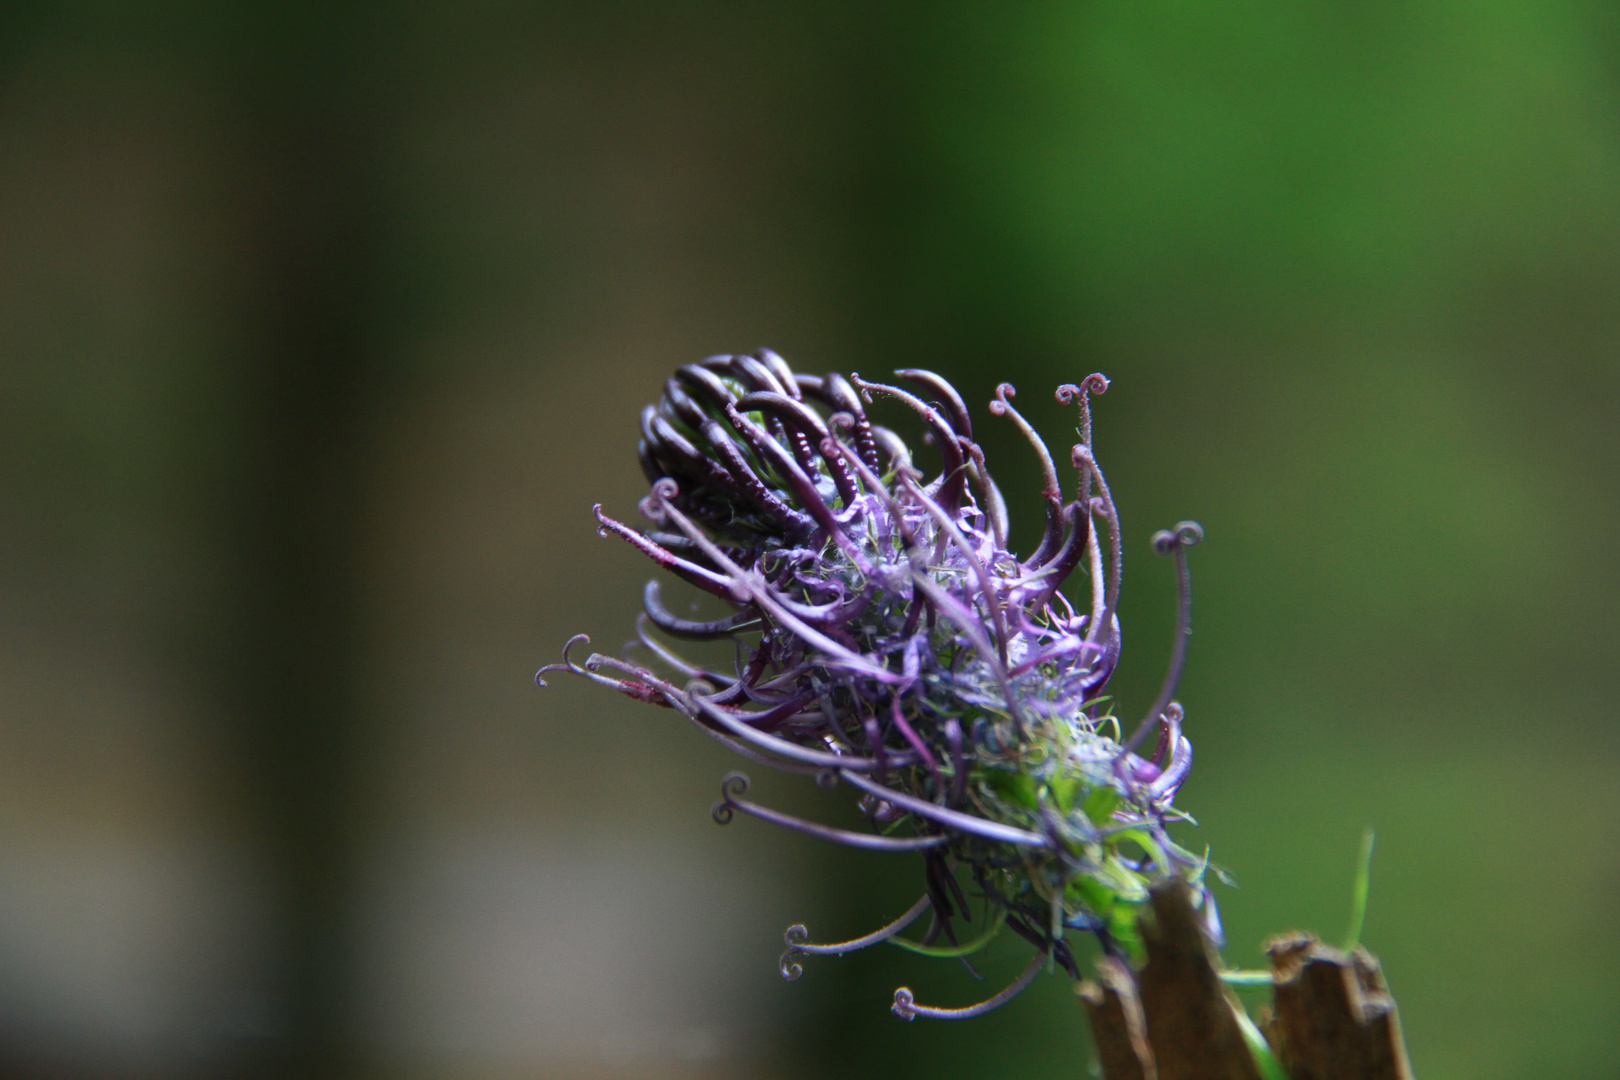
pixel 298 509
pixel 282 76
pixel 313 232
pixel 299 500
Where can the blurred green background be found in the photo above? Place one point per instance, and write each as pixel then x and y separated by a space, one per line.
pixel 323 325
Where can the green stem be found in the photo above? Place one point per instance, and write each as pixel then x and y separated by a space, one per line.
pixel 1245 978
pixel 1270 1067
pixel 954 950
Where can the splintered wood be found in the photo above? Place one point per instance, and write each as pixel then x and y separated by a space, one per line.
pixel 1333 1018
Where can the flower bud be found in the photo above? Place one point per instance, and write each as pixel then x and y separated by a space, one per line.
pixel 888 640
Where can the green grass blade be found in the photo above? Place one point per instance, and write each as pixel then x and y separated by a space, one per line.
pixel 1358 896
pixel 1270 1067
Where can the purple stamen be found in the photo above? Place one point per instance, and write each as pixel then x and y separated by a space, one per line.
pixel 838 395
pixel 736 783
pixel 910 735
pixel 674 660
pixel 906 1007
pixel 1116 554
pixel 1066 558
pixel 797 936
pixel 1187 534
pixel 800 483
pixel 792 751
pixel 707 580
pixel 706 384
pixel 681 406
pixel 1002 406
pixel 952 477
pixel 752 586
pixel 779 368
pixel 1095 383
pixel 995 507
pixel 809 430
pixel 745 619
pixel 961 419
pixel 956 819
pixel 992 596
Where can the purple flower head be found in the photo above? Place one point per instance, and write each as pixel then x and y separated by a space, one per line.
pixel 887 639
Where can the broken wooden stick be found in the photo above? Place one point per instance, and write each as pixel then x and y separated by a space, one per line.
pixel 1332 1016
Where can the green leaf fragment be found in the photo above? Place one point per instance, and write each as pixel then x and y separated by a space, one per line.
pixel 1094 895
pixel 1270 1067
pixel 1062 789
pixel 1101 804
pixel 1124 929
pixel 1015 787
pixel 1130 885
pixel 1149 845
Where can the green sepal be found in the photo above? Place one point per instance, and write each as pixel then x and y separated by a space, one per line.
pixel 1101 804
pixel 1131 886
pixel 1015 787
pixel 1154 849
pixel 1124 929
pixel 1063 788
pixel 1096 896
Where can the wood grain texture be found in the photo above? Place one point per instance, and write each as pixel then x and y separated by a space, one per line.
pixel 1191 1023
pixel 1333 1017
pixel 1117 1026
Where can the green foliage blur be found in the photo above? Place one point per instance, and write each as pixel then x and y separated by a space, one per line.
pixel 1354 270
